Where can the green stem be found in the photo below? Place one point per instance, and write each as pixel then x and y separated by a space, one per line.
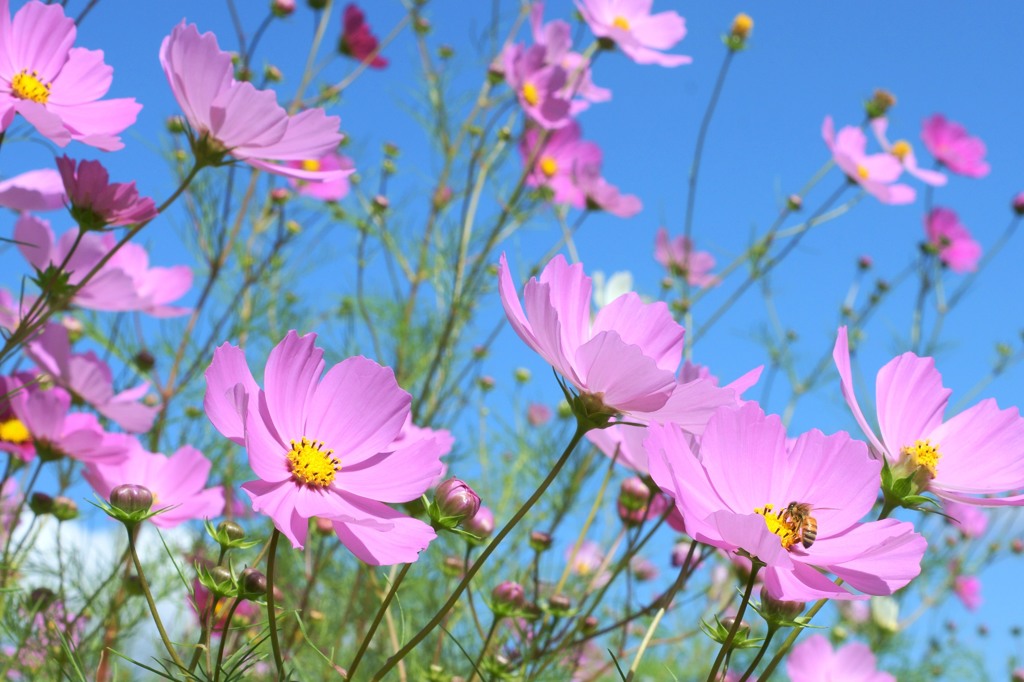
pixel 738 619
pixel 275 642
pixel 224 638
pixel 472 571
pixel 483 649
pixel 784 649
pixel 376 620
pixel 772 629
pixel 149 597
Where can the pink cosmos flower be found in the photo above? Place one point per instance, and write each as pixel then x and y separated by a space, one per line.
pixel 904 152
pixel 631 26
pixel 96 202
pixel 356 40
pixel 957 249
pixel 555 164
pixel 54 86
pixel 36 190
pixel 88 378
pixel 679 257
pixel 587 559
pixel 330 190
pixel 124 283
pixel 967 588
pixel 968 520
pixel 11 311
pixel 556 39
pixel 10 501
pixel 326 446
pixel 538 414
pixel 951 146
pixel 233 117
pixel 625 359
pixel 876 173
pixel 539 86
pixel 53 431
pixel 604 196
pixel 966 458
pixel 735 496
pixel 177 482
pixel 813 660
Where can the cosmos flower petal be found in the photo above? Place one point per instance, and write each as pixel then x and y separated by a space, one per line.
pixel 222 403
pixel 400 543
pixel 980 451
pixel 878 557
pixel 276 500
pixel 803 583
pixel 398 476
pixel 268 456
pixel 293 368
pixel 911 400
pixel 622 374
pixel 841 356
pixel 650 326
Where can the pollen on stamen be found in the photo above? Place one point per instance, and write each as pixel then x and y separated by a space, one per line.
pixel 621 22
pixel 862 172
pixel 26 85
pixel 924 454
pixel 312 464
pixel 548 166
pixel 531 94
pixel 14 431
pixel 310 165
pixel 900 149
pixel 775 523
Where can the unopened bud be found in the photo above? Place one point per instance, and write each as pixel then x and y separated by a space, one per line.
pixel 381 203
pixel 480 524
pixel 880 103
pixel 865 262
pixel 41 598
pixel 454 566
pixel 742 25
pixel 775 610
pixel 540 541
pixel 175 125
pixel 508 597
pixel 131 498
pixel 144 360
pixel 252 582
pixel 316 4
pixel 1018 204
pixel 324 526
pixel 589 625
pixel 272 74
pixel 282 8
pixel 40 504
pixel 64 508
pixel 522 375
pixel 560 604
pixel 486 383
pixel 280 195
pixel 231 530
pixel 538 414
pixel 445 51
pixel 1017 546
pixel 794 202
pixel 455 502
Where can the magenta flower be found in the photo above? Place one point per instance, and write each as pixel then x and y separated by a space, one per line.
pixel 326 446
pixel 233 117
pixel 356 40
pixel 951 146
pixel 904 152
pixel 539 86
pixel 957 249
pixel 54 86
pixel 679 257
pixel 967 588
pixel 96 202
pixel 876 173
pixel 640 34
pixel 88 378
pixel 556 39
pixel 329 190
pixel 555 164
pixel 813 660
pixel 36 190
pixel 124 283
pixel 623 361
pixel 178 483
pixel 735 496
pixel 966 458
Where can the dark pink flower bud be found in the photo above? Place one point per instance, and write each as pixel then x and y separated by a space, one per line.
pixel 508 596
pixel 282 8
pixel 1018 204
pixel 540 541
pixel 480 524
pixel 131 498
pixel 252 582
pixel 456 501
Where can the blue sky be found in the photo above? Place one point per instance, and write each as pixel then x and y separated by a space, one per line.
pixel 806 59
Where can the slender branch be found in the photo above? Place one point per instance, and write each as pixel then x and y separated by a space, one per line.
pixel 376 621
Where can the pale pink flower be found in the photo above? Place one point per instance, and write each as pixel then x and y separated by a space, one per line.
pixel 11 311
pixel 538 85
pixel 88 378
pixel 329 190
pixel 586 560
pixel 967 588
pixel 96 202
pixel 233 117
pixel 356 39
pixel 957 249
pixel 967 519
pixel 966 458
pixel 951 146
pixel 680 258
pixel 325 446
pixel 637 32
pixel 538 414
pixel 813 660
pixel 734 496
pixel 54 86
pixel 556 162
pixel 904 152
pixel 625 358
pixel 178 483
pixel 36 190
pixel 124 283
pixel 556 39
pixel 604 196
pixel 876 173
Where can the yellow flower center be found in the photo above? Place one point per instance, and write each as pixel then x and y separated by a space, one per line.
pixel 900 149
pixel 862 172
pixel 14 431
pixel 923 454
pixel 742 25
pixel 311 464
pixel 621 22
pixel 28 86
pixel 548 166
pixel 530 93
pixel 310 165
pixel 786 531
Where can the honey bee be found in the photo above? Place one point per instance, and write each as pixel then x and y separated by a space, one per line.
pixel 797 516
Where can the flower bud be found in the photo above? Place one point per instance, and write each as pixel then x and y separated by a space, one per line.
pixel 64 508
pixel 316 4
pixel 540 541
pixel 280 195
pixel 454 566
pixel 380 203
pixel 880 103
pixel 559 604
pixel 794 202
pixel 231 530
pixel 486 383
pixel 131 498
pixel 324 526
pixel 175 125
pixel 538 414
pixel 252 583
pixel 1017 546
pixel 740 30
pixel 778 610
pixel 40 504
pixel 455 502
pixel 522 375
pixel 742 631
pixel 272 74
pixel 865 262
pixel 144 360
pixel 445 51
pixel 282 8
pixel 508 598
pixel 1018 204
pixel 41 598
pixel 480 524
pixel 589 625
